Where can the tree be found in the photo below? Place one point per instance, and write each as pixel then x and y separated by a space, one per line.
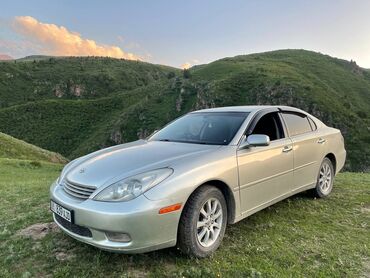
pixel 171 75
pixel 186 73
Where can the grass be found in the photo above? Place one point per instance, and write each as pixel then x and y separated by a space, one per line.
pixel 298 237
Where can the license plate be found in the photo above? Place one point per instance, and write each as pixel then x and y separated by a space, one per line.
pixel 61 211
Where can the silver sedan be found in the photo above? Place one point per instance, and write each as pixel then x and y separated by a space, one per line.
pixel 186 182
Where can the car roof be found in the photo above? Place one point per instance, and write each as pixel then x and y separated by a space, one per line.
pixel 249 108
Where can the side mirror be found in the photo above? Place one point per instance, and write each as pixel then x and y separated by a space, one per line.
pixel 256 140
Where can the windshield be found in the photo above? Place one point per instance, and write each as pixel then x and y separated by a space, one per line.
pixel 213 128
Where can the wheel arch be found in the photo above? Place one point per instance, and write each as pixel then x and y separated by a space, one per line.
pixel 228 195
pixel 333 160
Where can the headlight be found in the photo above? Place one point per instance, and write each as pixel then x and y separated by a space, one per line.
pixel 130 188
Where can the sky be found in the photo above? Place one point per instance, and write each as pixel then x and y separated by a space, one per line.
pixel 184 33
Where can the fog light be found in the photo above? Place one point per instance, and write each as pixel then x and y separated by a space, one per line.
pixel 118 237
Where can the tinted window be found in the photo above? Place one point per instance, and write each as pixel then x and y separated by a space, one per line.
pixel 269 125
pixel 216 128
pixel 297 123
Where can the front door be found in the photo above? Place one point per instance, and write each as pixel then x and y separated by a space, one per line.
pixel 265 173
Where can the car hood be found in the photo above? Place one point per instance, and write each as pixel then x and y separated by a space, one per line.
pixel 107 166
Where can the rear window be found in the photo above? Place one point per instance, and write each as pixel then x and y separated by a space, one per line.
pixel 297 123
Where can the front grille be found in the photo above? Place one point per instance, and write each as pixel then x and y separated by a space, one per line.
pixel 78 190
pixel 76 229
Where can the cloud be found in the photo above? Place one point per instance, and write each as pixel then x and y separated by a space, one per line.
pixel 187 65
pixel 58 40
pixel 19 47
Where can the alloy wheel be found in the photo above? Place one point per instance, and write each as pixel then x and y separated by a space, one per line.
pixel 325 178
pixel 209 222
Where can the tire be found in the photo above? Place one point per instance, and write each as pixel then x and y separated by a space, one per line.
pixel 191 239
pixel 325 179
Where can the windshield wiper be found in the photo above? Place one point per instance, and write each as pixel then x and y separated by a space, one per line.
pixel 165 140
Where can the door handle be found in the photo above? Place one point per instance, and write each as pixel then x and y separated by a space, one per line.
pixel 287 149
pixel 321 141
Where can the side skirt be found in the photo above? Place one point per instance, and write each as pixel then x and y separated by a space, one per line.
pixel 273 201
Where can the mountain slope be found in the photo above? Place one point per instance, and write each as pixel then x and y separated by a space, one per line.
pixel 73 78
pixel 148 96
pixel 11 147
pixel 334 90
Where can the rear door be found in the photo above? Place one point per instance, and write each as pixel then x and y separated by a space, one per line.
pixel 307 148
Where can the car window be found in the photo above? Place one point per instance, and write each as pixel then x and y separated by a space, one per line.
pixel 269 125
pixel 313 124
pixel 297 123
pixel 214 128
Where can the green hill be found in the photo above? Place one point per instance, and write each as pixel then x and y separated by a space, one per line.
pixel 38 78
pixel 11 147
pixel 77 105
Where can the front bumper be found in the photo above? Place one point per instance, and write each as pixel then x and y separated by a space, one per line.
pixel 138 218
